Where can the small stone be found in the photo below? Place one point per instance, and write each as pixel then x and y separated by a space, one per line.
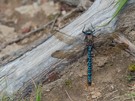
pixel 25 41
pixel 118 70
pixel 47 90
pixel 26 27
pixel 132 33
pixel 95 95
pixel 24 2
pixel 8 12
pixel 51 3
pixel 112 87
pixel 30 10
pixel 84 4
pixel 71 73
pixel 82 73
pixel 50 8
pixel 7 33
pixel 64 12
pixel 100 61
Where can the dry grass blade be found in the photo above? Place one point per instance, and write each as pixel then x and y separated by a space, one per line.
pixel 68 95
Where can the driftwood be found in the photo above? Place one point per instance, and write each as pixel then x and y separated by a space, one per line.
pixel 37 63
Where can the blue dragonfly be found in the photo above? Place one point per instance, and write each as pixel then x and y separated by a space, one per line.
pixel 88 40
pixel 89 45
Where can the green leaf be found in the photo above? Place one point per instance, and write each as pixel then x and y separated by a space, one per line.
pixel 121 4
pixel 38 94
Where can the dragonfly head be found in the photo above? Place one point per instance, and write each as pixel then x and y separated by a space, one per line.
pixel 88 31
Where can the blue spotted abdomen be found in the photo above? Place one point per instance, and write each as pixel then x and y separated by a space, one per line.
pixel 89 65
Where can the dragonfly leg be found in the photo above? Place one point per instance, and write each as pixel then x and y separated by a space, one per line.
pixel 96 49
pixel 84 51
pixel 92 28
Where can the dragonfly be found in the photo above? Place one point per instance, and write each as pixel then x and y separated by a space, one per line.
pixel 89 44
pixel 70 53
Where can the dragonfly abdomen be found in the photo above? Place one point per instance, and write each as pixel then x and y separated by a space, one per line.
pixel 89 65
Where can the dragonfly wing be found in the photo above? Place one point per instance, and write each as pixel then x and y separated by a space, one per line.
pixel 69 54
pixel 60 54
pixel 68 39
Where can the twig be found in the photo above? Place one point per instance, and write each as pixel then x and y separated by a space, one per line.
pixel 115 98
pixel 54 21
pixel 107 95
pixel 68 15
pixel 33 82
pixel 133 98
pixel 68 95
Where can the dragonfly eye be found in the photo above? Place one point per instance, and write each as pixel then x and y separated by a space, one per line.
pixel 88 32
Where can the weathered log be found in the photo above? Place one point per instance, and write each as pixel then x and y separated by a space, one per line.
pixel 36 63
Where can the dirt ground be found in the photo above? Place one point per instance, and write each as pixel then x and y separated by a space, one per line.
pixel 109 80
pixel 111 77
